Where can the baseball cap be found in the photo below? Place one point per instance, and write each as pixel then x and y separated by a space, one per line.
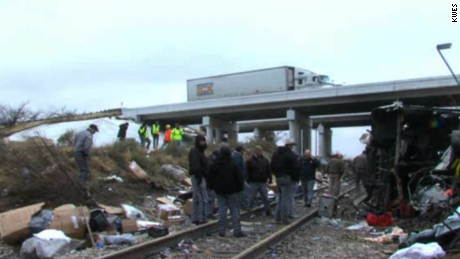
pixel 290 141
pixel 94 127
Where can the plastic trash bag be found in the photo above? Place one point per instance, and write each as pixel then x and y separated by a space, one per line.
pixel 119 240
pixel 420 251
pixel 174 172
pixel 133 213
pixel 52 234
pixel 40 221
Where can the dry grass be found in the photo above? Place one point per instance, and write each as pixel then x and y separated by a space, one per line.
pixel 37 170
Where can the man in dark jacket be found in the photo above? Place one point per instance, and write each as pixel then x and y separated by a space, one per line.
pixel 211 193
pixel 308 166
pixel 258 171
pixel 199 168
pixel 122 131
pixel 284 166
pixel 227 181
pixel 83 144
pixel 359 169
pixel 335 169
pixel 239 162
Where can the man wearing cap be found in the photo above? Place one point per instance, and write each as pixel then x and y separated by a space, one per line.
pixel 284 166
pixel 238 159
pixel 258 169
pixel 335 169
pixel 83 144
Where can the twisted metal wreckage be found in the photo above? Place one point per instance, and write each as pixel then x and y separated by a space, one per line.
pixel 413 157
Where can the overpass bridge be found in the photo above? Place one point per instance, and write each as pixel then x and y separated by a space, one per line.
pixel 299 107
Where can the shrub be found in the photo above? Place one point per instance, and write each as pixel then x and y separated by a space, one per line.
pixel 67 139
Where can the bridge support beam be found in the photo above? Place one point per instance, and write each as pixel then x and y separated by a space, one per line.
pixel 215 128
pixel 299 130
pixel 324 141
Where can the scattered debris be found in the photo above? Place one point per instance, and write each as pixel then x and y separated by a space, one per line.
pixel 138 171
pixel 166 210
pixel 14 224
pixel 111 210
pixel 125 239
pixel 174 172
pixel 51 234
pixel 114 178
pixel 396 233
pixel 420 251
pixel 361 226
pixel 133 213
pixel 36 248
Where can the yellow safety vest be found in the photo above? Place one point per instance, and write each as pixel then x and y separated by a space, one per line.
pixel 155 129
pixel 176 134
pixel 144 131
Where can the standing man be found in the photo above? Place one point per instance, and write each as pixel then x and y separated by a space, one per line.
pixel 167 139
pixel 258 169
pixel 199 168
pixel 83 144
pixel 143 134
pixel 122 131
pixel 335 169
pixel 155 134
pixel 308 166
pixel 284 167
pixel 227 181
pixel 177 134
pixel 211 193
pixel 359 168
pixel 239 162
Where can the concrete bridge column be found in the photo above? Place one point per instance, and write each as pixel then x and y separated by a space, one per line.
pixel 218 135
pixel 299 130
pixel 213 124
pixel 233 132
pixel 324 141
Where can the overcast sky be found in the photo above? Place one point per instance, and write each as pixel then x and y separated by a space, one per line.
pixel 93 55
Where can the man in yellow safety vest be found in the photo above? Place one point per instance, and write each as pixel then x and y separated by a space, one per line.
pixel 176 135
pixel 156 134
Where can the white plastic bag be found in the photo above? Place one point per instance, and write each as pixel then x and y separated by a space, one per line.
pixel 133 213
pixel 420 251
pixel 52 234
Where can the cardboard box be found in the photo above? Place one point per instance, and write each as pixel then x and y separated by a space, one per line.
pixel 14 224
pixel 71 221
pixel 111 210
pixel 188 207
pixel 129 226
pixel 166 210
pixel 164 200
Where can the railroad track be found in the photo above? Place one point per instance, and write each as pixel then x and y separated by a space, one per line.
pixel 262 230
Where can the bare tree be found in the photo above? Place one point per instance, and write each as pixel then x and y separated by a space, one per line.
pixel 60 112
pixel 10 116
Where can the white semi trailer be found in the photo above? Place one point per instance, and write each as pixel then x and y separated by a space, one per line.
pixel 277 79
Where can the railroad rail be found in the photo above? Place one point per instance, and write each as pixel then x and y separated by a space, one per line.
pixel 147 249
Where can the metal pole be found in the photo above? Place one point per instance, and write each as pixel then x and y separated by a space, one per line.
pixel 450 69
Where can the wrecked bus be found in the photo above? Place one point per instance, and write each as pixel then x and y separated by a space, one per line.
pixel 409 156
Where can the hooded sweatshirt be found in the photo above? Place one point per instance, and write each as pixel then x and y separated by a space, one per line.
pixel 224 176
pixel 198 162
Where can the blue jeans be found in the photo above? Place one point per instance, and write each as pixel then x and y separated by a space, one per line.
pixel 230 201
pixel 200 201
pixel 307 187
pixel 262 189
pixel 285 196
pixel 83 162
pixel 142 137
pixel 177 143
pixel 211 203
pixel 244 196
